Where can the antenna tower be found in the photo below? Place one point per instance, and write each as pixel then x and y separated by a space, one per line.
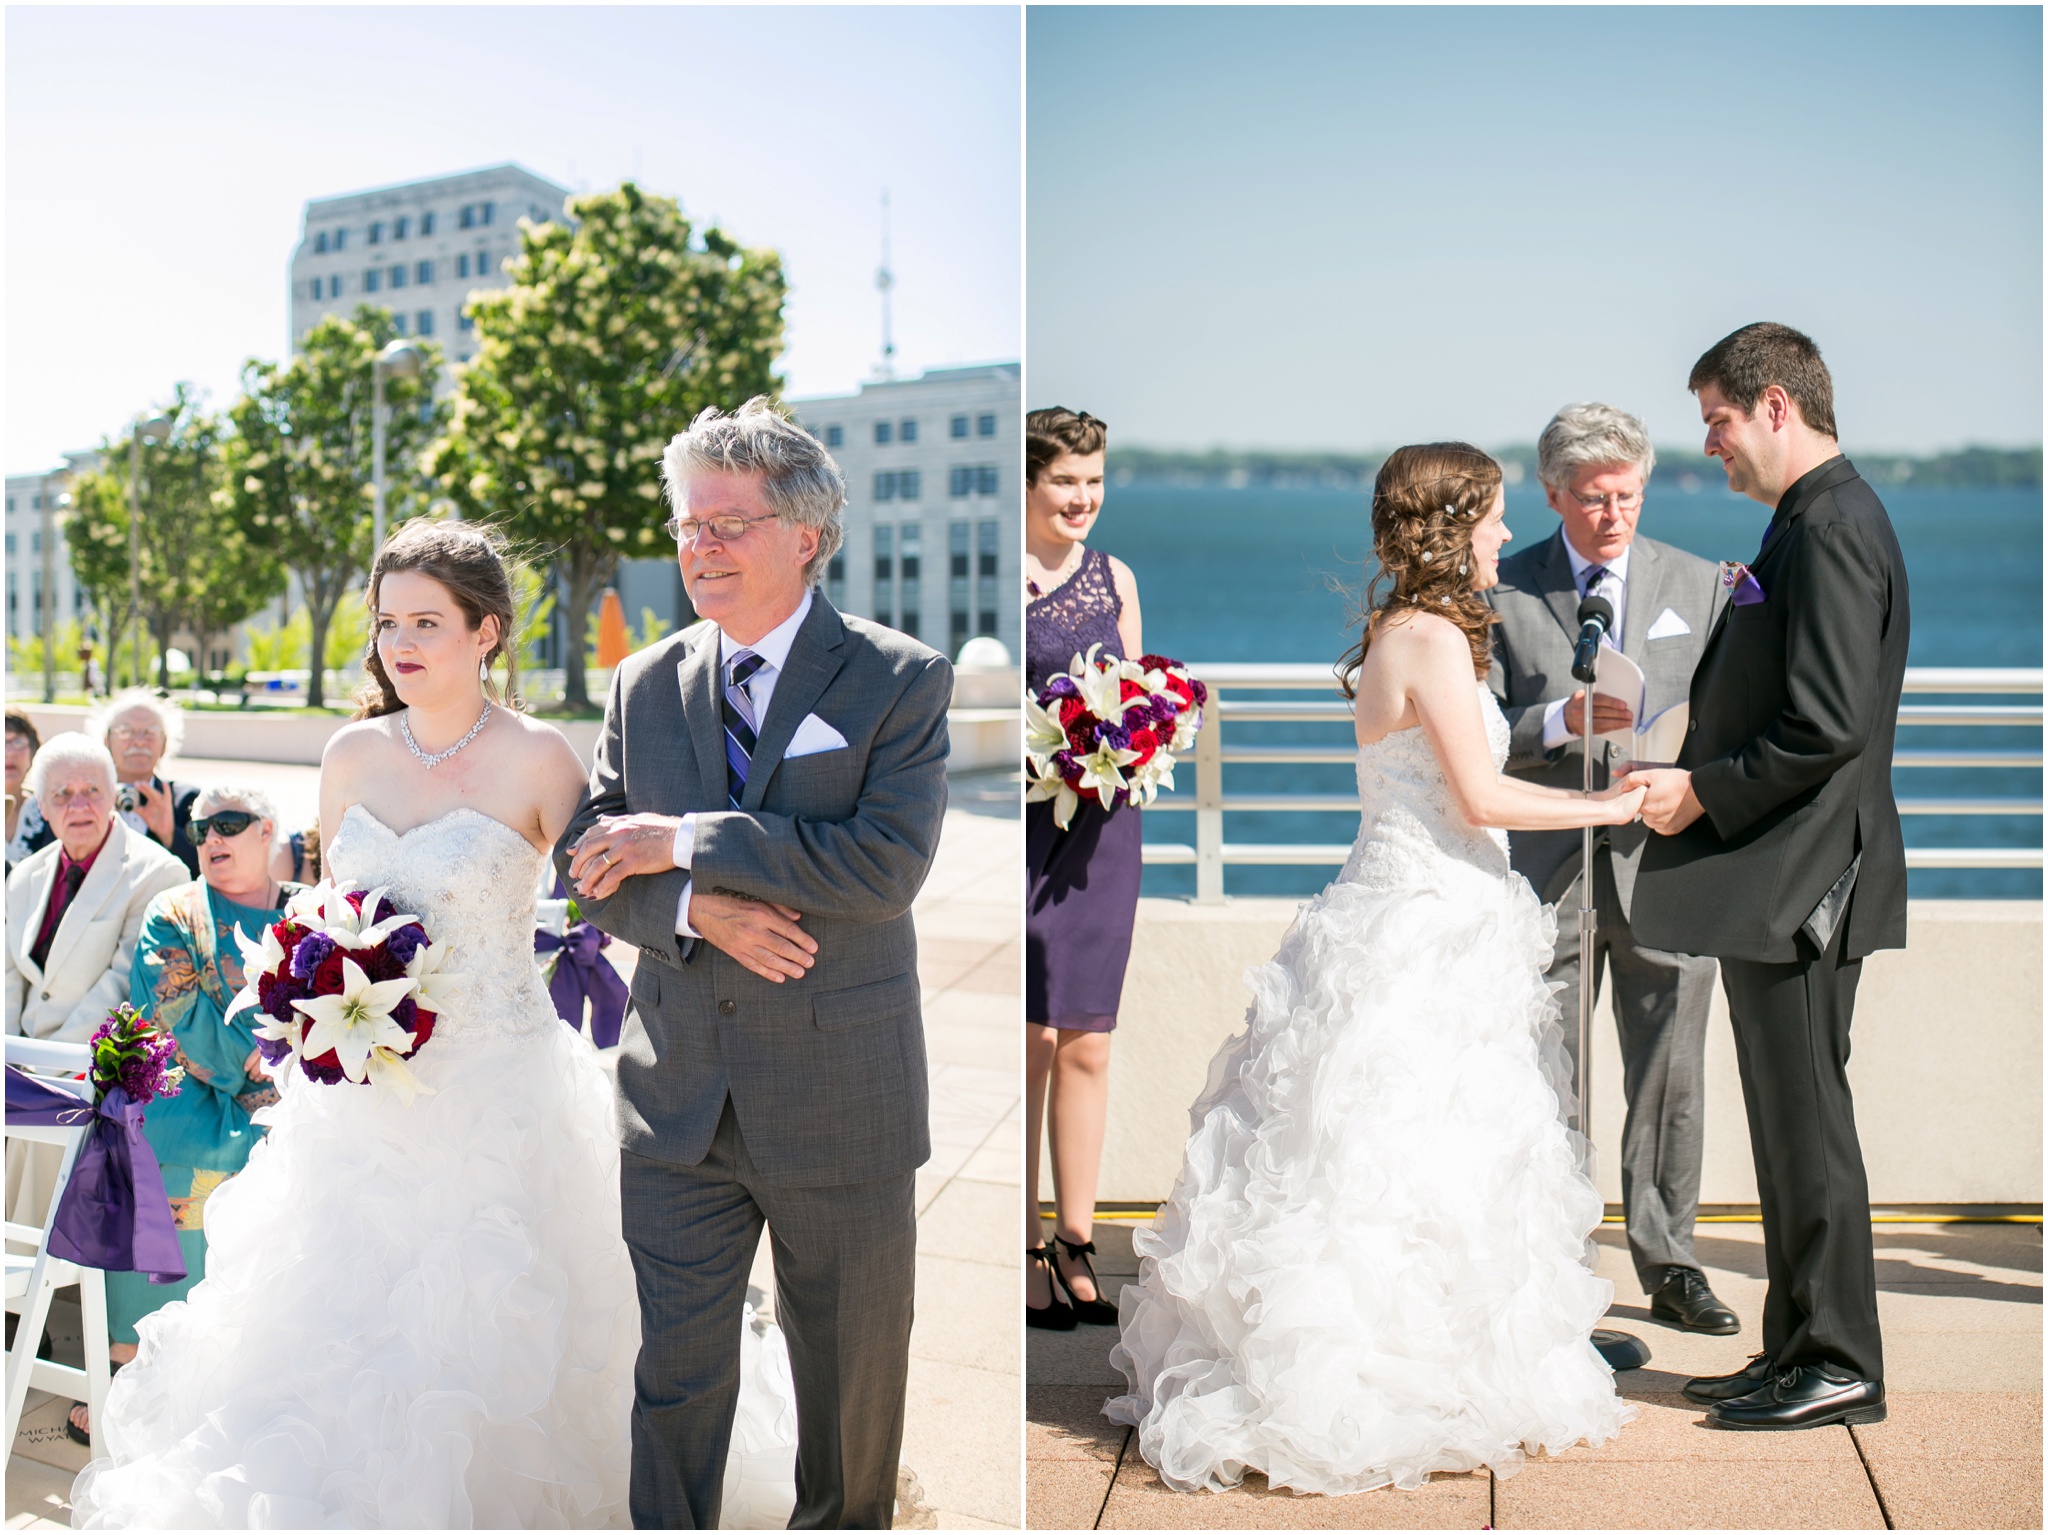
pixel 885 281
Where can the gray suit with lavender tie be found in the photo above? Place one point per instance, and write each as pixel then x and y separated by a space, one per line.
pixel 1661 998
pixel 802 1105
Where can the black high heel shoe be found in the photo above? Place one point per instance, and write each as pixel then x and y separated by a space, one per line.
pixel 1098 1311
pixel 1057 1315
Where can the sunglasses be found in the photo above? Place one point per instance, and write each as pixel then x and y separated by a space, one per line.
pixel 229 823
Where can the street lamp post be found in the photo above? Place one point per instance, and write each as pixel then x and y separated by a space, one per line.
pixel 156 429
pixel 46 610
pixel 399 359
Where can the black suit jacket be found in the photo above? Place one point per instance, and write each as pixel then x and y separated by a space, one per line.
pixel 1794 708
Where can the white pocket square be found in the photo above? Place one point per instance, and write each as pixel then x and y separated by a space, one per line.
pixel 1668 623
pixel 812 736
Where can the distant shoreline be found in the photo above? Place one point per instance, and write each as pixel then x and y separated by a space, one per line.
pixel 1675 466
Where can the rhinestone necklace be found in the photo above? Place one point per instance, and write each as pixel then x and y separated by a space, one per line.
pixel 437 758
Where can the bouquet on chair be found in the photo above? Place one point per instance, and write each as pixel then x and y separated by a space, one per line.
pixel 1109 730
pixel 349 987
pixel 131 1053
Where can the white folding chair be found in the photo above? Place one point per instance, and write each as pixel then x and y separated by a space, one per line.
pixel 33 1275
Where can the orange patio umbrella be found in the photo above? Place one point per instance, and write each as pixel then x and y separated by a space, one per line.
pixel 612 644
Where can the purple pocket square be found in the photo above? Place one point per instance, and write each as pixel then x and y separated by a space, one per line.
pixel 1743 589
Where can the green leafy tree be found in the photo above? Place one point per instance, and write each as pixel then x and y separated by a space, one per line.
pixel 200 567
pixel 612 335
pixel 299 464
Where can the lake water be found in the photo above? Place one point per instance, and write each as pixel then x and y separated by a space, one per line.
pixel 1248 575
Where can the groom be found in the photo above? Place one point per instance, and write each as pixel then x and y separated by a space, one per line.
pixel 764 804
pixel 1779 851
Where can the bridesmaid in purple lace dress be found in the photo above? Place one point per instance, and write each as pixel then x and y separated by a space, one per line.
pixel 1083 895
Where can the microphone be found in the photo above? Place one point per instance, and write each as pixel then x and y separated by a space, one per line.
pixel 1596 617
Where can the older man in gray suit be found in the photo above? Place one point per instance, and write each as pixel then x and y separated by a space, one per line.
pixel 1594 462
pixel 764 805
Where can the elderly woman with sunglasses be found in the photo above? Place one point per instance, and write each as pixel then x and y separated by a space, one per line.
pixel 187 969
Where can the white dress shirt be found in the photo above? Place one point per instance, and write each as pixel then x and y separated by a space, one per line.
pixel 1614 587
pixel 773 649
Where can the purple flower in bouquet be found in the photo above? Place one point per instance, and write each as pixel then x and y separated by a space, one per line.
pixel 129 1053
pixel 406 942
pixel 1062 686
pixel 306 958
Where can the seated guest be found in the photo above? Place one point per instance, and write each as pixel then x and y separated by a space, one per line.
pixel 26 828
pixel 74 908
pixel 187 969
pixel 74 913
pixel 141 729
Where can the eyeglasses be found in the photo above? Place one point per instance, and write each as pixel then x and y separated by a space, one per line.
pixel 1620 503
pixel 90 794
pixel 725 528
pixel 135 733
pixel 229 823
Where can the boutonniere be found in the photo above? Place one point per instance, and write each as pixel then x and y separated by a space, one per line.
pixel 1743 589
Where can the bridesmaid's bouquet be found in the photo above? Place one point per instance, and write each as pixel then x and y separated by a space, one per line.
pixel 1109 730
pixel 348 985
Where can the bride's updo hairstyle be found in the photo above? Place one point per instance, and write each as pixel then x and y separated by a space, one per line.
pixel 1426 500
pixel 469 561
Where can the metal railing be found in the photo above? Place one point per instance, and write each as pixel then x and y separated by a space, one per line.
pixel 1229 710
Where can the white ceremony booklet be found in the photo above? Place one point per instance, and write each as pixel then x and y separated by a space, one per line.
pixel 1654 742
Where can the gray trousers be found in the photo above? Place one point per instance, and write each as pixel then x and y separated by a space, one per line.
pixel 845 1268
pixel 1661 1005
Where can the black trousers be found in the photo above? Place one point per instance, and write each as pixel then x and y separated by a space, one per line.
pixel 1792 1043
pixel 845 1267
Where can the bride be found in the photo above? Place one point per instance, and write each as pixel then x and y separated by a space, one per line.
pixel 1373 1263
pixel 424 1316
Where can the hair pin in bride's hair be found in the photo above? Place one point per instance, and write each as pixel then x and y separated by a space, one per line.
pixel 1461 570
pixel 1428 555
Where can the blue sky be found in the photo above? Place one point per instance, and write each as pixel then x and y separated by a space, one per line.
pixel 159 158
pixel 1348 228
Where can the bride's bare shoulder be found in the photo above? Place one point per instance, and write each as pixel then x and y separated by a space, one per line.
pixel 538 747
pixel 1415 632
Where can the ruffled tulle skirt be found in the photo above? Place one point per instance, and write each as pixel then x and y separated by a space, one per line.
pixel 415 1317
pixel 1374 1263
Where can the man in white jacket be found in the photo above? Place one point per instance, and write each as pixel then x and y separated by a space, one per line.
pixel 74 908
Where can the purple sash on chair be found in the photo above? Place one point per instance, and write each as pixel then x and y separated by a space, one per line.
pixel 114 1214
pixel 582 973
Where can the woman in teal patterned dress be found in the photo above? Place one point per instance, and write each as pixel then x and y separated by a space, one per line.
pixel 187 969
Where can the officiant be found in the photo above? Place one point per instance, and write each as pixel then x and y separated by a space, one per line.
pixel 1594 462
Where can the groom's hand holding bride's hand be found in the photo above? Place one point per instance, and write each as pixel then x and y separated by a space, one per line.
pixel 1669 805
pixel 759 934
pixel 620 846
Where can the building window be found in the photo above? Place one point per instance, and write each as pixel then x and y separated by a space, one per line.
pixel 907 432
pixel 959 427
pixel 835 436
pixel 959 537
pixel 988 545
pixel 482 264
pixel 835 580
pixel 320 243
pixel 465 216
pixel 985 480
pixel 376 234
pixel 463 320
pixel 462 265
pixel 423 323
pixel 484 211
pixel 882 431
pixel 401 227
pixel 10 537
pixel 885 485
pixel 340 238
pixel 423 272
pixel 909 484
pixel 885 574
pixel 910 546
pixel 985 425
pixel 426 225
pixel 398 323
pixel 374 279
pixel 398 277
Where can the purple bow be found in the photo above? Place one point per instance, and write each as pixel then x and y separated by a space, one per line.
pixel 580 975
pixel 1743 589
pixel 114 1214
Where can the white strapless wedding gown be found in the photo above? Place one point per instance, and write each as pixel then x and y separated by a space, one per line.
pixel 1373 1265
pixel 421 1317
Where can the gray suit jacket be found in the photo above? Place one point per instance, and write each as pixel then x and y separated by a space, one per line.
pixel 1538 603
pixel 826 1074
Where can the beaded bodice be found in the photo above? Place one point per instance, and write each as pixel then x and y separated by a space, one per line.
pixel 1409 820
pixel 1081 611
pixel 470 880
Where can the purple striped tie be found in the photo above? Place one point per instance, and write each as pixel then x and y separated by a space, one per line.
pixel 741 728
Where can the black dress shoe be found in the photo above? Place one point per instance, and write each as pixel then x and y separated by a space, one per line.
pixel 1751 1378
pixel 1803 1396
pixel 1685 1301
pixel 1098 1311
pixel 1057 1315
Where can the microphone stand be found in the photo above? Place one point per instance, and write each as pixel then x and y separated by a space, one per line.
pixel 1622 1351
